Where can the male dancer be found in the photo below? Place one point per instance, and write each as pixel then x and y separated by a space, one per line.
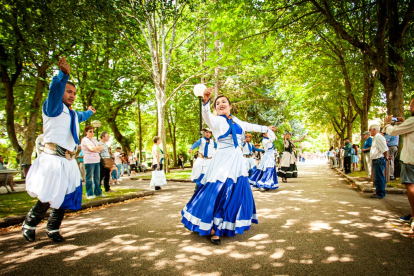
pixel 54 177
pixel 248 150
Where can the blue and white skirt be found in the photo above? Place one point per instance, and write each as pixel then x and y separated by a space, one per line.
pixel 265 176
pixel 55 180
pixel 224 202
pixel 199 169
pixel 250 165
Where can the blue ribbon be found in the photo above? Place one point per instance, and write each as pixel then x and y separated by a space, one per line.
pixel 206 147
pixel 73 126
pixel 233 130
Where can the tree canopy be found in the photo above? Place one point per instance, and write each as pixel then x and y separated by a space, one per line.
pixel 317 66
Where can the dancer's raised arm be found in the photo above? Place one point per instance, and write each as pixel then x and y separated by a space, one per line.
pixel 211 120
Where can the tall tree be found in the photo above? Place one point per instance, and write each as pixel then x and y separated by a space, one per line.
pixel 381 38
pixel 36 35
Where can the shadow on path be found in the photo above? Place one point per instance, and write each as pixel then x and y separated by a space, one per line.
pixel 313 225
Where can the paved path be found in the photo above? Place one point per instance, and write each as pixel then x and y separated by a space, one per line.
pixel 314 225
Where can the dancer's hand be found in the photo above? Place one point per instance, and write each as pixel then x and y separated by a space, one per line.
pixel 207 95
pixel 92 109
pixel 272 128
pixel 64 66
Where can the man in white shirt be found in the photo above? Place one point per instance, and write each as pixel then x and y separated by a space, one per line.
pixel 118 162
pixel 406 129
pixel 379 155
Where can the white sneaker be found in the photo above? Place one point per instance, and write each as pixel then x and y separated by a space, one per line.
pixel 119 179
pixel 102 195
pixel 412 223
pixel 90 197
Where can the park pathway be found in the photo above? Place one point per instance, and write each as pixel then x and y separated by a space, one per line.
pixel 316 224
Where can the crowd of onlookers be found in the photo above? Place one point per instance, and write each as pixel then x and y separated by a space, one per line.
pixel 99 165
pixel 347 157
pixel 379 154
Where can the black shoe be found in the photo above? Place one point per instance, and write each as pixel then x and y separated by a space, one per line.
pixel 375 196
pixel 29 234
pixel 406 218
pixel 392 178
pixel 215 241
pixel 55 236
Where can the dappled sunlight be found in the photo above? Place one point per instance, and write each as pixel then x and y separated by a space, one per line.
pixel 302 226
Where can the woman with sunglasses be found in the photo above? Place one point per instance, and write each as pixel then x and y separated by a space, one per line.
pixel 91 149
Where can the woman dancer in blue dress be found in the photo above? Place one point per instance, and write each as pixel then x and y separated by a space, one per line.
pixel 224 204
pixel 266 176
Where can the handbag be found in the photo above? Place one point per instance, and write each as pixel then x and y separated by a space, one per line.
pixel 108 163
pixel 158 179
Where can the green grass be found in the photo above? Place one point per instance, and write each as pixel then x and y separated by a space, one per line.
pixel 14 204
pixel 184 174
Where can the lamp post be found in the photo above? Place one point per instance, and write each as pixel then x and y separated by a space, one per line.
pixel 199 92
pixel 96 124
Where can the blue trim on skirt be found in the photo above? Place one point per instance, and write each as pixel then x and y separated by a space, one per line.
pixel 265 179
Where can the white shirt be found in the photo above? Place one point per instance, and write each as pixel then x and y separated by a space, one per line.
pixel 378 147
pixel 407 130
pixel 117 156
pixel 332 153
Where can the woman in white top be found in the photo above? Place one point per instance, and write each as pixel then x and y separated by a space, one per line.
pixel 332 157
pixel 223 204
pixel 91 159
pixel 157 156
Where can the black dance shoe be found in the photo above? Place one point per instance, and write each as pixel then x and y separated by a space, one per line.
pixel 55 236
pixel 29 234
pixel 215 241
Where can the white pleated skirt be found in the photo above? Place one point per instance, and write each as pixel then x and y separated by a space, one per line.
pixel 54 179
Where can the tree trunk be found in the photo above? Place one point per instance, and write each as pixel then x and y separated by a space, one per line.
pixel 10 107
pixel 394 90
pixel 30 134
pixel 139 131
pixel 125 143
pixel 161 105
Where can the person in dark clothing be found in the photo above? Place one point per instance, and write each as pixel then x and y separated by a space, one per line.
pixel 347 156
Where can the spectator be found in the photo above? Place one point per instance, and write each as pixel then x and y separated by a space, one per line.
pixel 132 160
pixel 392 143
pixel 406 129
pixel 125 164
pixel 105 154
pixel 338 157
pixel 118 162
pixel 81 165
pixel 181 161
pixel 114 174
pixel 91 159
pixel 157 156
pixel 2 167
pixel 347 156
pixel 355 158
pixel 366 155
pixel 332 157
pixel 379 155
